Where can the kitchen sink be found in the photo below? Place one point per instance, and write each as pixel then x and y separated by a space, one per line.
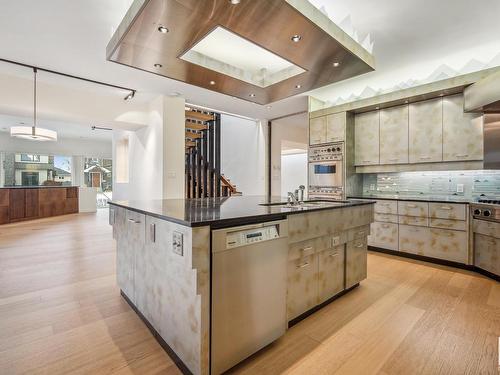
pixel 308 203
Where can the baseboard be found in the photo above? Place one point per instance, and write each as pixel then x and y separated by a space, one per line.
pixel 436 261
pixel 302 316
pixel 178 362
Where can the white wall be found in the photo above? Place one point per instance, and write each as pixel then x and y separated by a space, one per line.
pixel 243 153
pixel 284 131
pixel 293 172
pixel 155 154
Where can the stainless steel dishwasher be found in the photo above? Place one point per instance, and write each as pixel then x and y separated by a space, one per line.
pixel 249 271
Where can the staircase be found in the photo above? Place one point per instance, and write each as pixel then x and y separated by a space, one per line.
pixel 203 168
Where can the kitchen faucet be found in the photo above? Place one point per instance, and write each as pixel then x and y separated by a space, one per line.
pixel 295 198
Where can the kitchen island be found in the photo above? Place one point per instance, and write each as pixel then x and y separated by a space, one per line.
pixel 217 279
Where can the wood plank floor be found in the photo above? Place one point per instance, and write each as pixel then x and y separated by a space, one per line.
pixel 61 312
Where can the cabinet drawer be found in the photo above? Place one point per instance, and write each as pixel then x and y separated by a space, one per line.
pixel 386 207
pixel 413 239
pixel 384 235
pixel 386 218
pixel 413 208
pixel 331 273
pixel 414 220
pixel 448 245
pixel 358 232
pixel 487 253
pixel 447 211
pixel 302 285
pixel 448 224
pixel 488 228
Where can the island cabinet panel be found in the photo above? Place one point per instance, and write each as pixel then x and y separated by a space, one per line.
pixel 356 262
pixel 462 132
pixel 302 290
pixel 331 273
pixel 487 253
pixel 448 224
pixel 32 203
pixel 303 227
pixel 335 127
pixel 366 138
pixel 4 206
pixel 52 201
pixel 394 135
pixel 384 235
pixel 386 207
pixel 448 245
pixel 17 204
pixel 317 130
pixel 426 131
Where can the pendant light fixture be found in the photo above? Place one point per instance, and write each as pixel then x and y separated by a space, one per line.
pixel 33 132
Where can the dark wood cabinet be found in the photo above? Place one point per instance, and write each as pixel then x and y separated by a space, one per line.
pixel 31 207
pixel 18 204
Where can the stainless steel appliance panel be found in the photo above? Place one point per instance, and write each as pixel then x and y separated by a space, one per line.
pixel 249 271
pixel 492 141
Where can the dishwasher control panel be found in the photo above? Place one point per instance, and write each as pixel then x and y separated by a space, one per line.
pixel 251 236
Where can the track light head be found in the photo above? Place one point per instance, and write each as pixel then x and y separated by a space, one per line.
pixel 130 95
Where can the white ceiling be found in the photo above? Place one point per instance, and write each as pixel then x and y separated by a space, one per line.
pixel 71 36
pixel 63 129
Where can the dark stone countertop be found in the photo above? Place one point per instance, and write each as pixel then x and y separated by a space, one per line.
pixel 223 211
pixel 36 187
pixel 451 199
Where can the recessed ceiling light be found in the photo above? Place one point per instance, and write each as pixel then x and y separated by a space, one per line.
pixel 336 64
pixel 252 95
pixel 163 29
pixel 296 38
pixel 212 83
pixel 298 86
pixel 158 65
pixel 234 2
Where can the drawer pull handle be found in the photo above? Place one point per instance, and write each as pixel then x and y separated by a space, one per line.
pixel 425 157
pixel 359 245
pixel 462 156
pixel 134 221
pixel 366 161
pixel 152 232
pixel 446 208
pixel 303 265
pixel 385 226
pixel 411 205
pixel 334 255
pixel 308 248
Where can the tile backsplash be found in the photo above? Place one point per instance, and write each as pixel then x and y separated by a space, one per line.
pixel 467 184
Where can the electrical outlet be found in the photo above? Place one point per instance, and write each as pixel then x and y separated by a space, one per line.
pixel 335 241
pixel 178 243
pixel 460 188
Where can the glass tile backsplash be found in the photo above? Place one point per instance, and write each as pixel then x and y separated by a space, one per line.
pixel 469 185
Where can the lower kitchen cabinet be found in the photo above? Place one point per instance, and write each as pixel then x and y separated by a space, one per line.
pixel 302 293
pixel 384 235
pixel 331 273
pixel 487 253
pixel 448 245
pixel 4 206
pixel 132 240
pixel 356 257
pixel 414 239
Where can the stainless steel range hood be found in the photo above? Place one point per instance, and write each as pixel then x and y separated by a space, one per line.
pixel 191 41
pixel 484 96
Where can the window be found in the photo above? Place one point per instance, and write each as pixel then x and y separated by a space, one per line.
pixel 31 158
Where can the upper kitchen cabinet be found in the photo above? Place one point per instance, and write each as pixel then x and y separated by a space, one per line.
pixel 366 138
pixel 462 132
pixel 426 131
pixel 317 130
pixel 394 135
pixel 335 127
